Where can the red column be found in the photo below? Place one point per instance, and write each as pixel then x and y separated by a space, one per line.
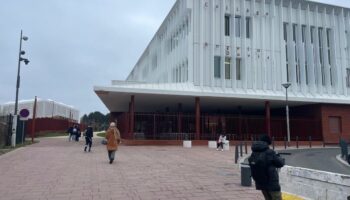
pixel 33 120
pixel 198 120
pixel 154 126
pixel 267 118
pixel 179 118
pixel 132 116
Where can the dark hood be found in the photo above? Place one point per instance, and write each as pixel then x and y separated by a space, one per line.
pixel 259 146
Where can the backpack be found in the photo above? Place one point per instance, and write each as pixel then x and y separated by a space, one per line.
pixel 259 167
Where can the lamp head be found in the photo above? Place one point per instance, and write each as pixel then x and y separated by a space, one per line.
pixel 23 52
pixel 25 38
pixel 26 61
pixel 286 85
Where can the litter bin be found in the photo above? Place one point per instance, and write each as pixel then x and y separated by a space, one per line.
pixel 246 179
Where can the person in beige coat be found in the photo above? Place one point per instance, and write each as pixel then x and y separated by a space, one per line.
pixel 113 140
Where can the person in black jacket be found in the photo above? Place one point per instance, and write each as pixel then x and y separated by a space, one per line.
pixel 70 132
pixel 263 164
pixel 89 133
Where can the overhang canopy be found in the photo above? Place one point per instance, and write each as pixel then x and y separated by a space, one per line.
pixel 158 97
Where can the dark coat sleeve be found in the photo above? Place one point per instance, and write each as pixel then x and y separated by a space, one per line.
pixel 276 160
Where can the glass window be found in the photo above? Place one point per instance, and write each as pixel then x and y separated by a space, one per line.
pixel 328 37
pixel 238 69
pixel 247 26
pixel 306 73
pixel 217 68
pixel 320 35
pixel 227 68
pixel 227 25
pixel 328 32
pixel 346 39
pixel 295 32
pixel 285 27
pixel 297 68
pixel 312 29
pixel 238 26
pixel 303 30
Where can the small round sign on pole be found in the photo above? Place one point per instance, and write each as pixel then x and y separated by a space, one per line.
pixel 24 114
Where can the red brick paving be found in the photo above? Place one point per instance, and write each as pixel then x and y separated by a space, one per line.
pixel 56 169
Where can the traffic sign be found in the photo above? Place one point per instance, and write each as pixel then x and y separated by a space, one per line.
pixel 24 114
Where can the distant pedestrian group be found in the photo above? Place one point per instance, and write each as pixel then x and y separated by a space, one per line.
pixel 111 140
pixel 74 133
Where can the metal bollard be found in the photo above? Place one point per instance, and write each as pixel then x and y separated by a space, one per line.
pixel 236 153
pixel 246 179
pixel 310 141
pixel 285 143
pixel 241 148
pixel 297 140
pixel 323 143
pixel 273 143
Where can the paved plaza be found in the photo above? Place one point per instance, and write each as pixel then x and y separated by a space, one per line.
pixel 56 169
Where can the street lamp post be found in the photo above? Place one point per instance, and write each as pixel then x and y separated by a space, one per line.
pixel 26 61
pixel 287 85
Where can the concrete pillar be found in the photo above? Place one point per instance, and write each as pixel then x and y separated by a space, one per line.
pixel 267 118
pixel 198 120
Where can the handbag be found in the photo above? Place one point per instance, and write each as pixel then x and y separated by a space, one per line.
pixel 104 142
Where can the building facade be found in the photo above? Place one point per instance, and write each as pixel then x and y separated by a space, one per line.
pixel 237 53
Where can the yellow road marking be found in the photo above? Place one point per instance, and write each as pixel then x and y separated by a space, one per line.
pixel 290 197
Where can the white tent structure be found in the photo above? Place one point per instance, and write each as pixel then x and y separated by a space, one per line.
pixel 45 109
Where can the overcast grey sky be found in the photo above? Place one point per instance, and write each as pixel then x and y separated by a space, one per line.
pixel 76 44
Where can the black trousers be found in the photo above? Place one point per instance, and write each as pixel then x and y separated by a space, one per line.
pixel 88 142
pixel 111 154
pixel 220 144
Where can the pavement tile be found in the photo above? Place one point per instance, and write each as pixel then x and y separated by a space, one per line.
pixel 56 169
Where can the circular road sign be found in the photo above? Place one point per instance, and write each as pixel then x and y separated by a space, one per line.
pixel 24 113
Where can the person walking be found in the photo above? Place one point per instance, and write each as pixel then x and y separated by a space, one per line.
pixel 89 134
pixel 263 163
pixel 113 140
pixel 220 143
pixel 70 132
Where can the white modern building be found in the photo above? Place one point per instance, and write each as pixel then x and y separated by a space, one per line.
pixel 231 57
pixel 44 109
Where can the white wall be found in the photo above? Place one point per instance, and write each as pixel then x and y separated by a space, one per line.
pixel 194 32
pixel 314 184
pixel 45 109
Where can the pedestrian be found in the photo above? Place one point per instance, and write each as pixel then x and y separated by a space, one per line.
pixel 220 143
pixel 263 163
pixel 113 140
pixel 70 133
pixel 89 134
pixel 75 132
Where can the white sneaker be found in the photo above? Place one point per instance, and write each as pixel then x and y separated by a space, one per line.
pixel 217 149
pixel 222 150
